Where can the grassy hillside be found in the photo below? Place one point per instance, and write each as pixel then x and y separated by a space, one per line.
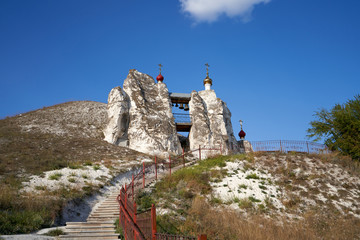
pixel 64 135
pixel 261 196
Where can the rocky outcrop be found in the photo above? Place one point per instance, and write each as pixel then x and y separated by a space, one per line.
pixel 151 126
pixel 245 146
pixel 211 123
pixel 118 117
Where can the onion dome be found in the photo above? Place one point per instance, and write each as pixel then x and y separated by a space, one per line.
pixel 160 78
pixel 208 80
pixel 242 134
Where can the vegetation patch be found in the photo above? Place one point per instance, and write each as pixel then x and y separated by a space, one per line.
pixel 55 176
pixel 55 232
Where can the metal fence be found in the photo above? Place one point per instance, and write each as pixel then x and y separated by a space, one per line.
pixel 288 146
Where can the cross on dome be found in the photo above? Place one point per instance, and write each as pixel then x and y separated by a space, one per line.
pixel 160 77
pixel 207 80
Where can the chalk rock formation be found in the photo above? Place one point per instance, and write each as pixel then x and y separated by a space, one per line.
pixel 151 126
pixel 245 146
pixel 118 117
pixel 211 123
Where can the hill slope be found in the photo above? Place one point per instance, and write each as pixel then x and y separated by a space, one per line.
pixel 261 196
pixel 65 137
pixel 54 137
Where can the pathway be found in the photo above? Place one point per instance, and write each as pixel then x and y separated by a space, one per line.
pixel 100 223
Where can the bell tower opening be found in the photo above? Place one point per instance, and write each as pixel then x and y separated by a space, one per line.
pixel 180 109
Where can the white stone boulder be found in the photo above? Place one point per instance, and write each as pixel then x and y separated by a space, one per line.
pixel 151 127
pixel 211 124
pixel 116 129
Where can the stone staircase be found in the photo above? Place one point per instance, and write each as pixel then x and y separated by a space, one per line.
pixel 99 224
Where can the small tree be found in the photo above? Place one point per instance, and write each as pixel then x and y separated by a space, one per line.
pixel 340 127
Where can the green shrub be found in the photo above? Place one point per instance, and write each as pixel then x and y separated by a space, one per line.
pixel 55 232
pixel 245 203
pixel 144 201
pixel 72 180
pixel 252 176
pixel 252 199
pixel 55 176
pixel 243 186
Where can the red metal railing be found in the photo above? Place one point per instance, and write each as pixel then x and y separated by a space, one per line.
pixel 288 146
pixel 143 225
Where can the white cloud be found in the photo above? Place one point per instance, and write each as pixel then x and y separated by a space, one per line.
pixel 210 10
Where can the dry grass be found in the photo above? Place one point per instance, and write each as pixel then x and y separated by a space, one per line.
pixel 220 223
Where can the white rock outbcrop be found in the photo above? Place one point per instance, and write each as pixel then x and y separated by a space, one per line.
pixel 118 117
pixel 211 124
pixel 147 123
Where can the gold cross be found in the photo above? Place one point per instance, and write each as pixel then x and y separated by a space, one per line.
pixel 160 66
pixel 207 69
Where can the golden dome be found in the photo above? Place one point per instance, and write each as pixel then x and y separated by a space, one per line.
pixel 208 80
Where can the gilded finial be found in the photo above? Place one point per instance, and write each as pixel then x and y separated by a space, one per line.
pixel 160 66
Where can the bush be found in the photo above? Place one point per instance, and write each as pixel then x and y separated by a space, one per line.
pixel 55 176
pixel 55 232
pixel 340 127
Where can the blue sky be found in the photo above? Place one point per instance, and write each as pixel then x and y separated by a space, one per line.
pixel 274 62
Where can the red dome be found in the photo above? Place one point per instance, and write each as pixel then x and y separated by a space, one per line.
pixel 242 134
pixel 160 78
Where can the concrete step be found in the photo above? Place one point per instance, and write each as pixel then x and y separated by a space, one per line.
pixel 91 232
pixel 101 218
pixel 77 228
pixel 110 211
pixel 109 205
pixel 87 224
pixel 107 208
pixel 96 219
pixel 89 236
pixel 104 214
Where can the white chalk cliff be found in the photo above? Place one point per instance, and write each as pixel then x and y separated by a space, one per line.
pixel 211 123
pixel 140 116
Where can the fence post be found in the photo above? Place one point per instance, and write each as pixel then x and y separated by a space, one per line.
pixel 170 164
pixel 120 210
pixel 307 145
pixel 280 146
pixel 202 237
pixel 153 222
pixel 183 156
pixel 132 187
pixel 199 152
pixel 155 169
pixel 125 205
pixel 143 174
pixel 134 220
